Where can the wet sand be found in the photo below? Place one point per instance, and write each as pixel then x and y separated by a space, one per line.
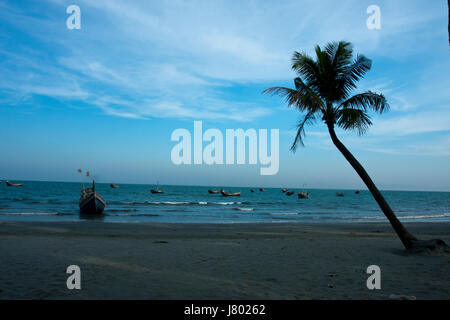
pixel 217 261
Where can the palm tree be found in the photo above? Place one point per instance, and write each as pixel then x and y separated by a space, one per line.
pixel 322 91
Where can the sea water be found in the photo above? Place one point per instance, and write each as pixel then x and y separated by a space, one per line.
pixel 58 201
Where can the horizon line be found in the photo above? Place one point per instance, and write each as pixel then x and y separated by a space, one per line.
pixel 228 186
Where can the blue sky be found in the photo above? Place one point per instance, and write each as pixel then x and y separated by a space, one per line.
pixel 108 96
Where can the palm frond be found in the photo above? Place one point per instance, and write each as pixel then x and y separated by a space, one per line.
pixel 289 94
pixel 303 98
pixel 308 119
pixel 365 101
pixel 306 68
pixel 308 96
pixel 340 53
pixel 353 119
pixel 352 73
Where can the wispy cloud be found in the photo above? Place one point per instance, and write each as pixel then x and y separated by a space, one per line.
pixel 177 59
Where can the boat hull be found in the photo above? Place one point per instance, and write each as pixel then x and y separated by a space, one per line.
pixel 228 194
pixel 92 204
pixel 9 184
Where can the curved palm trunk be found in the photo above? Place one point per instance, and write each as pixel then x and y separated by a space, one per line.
pixel 406 237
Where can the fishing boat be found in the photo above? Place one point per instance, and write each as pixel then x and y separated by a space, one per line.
pixel 252 190
pixel 358 191
pixel 91 202
pixel 114 186
pixel 230 194
pixel 303 195
pixel 157 190
pixel 9 184
pixel 261 189
pixel 284 190
pixel 289 193
pixel 339 194
pixel 213 191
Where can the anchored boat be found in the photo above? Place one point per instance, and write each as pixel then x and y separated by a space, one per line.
pixel 303 195
pixel 91 202
pixel 229 194
pixel 157 190
pixel 9 184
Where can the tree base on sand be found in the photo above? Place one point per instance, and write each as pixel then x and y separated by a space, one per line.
pixel 429 247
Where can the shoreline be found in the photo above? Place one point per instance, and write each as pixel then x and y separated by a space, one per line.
pixel 217 261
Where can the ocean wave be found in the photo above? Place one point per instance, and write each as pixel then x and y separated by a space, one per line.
pixel 16 199
pixel 226 203
pixel 175 203
pixel 244 209
pixel 284 213
pixel 132 215
pixel 443 215
pixel 32 213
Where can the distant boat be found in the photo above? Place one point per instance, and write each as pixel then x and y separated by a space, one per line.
pixel 213 191
pixel 284 190
pixel 289 193
pixel 261 189
pixel 157 190
pixel 114 186
pixel 230 194
pixel 303 195
pixel 91 202
pixel 339 194
pixel 358 191
pixel 252 190
pixel 9 184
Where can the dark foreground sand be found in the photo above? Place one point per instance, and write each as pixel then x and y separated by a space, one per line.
pixel 198 261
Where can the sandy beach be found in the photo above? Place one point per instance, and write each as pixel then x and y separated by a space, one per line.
pixel 213 261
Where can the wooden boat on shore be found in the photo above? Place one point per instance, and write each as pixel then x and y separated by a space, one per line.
pixel 303 195
pixel 9 184
pixel 213 191
pixel 91 202
pixel 230 194
pixel 114 186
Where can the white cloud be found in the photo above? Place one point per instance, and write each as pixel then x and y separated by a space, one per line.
pixel 413 123
pixel 176 58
